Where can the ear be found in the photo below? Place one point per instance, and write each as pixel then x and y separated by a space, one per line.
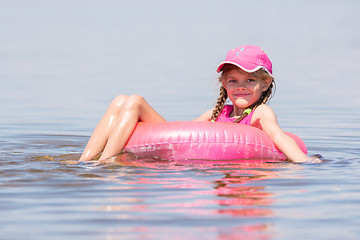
pixel 267 84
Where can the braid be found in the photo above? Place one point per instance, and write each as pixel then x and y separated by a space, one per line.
pixel 219 104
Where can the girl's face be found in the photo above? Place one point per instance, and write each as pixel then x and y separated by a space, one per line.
pixel 243 89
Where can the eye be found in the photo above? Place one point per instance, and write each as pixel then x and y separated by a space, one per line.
pixel 250 80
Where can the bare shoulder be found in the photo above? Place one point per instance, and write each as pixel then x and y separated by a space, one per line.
pixel 264 111
pixel 263 115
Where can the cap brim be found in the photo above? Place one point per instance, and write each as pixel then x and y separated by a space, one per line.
pixel 241 67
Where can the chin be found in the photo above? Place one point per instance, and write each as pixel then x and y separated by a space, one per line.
pixel 242 104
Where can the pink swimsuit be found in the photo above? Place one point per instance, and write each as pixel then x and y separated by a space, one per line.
pixel 225 116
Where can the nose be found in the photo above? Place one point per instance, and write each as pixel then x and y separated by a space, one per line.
pixel 241 85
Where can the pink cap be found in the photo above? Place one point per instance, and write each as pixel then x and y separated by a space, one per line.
pixel 249 58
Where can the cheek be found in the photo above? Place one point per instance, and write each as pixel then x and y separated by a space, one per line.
pixel 262 88
pixel 258 91
pixel 265 86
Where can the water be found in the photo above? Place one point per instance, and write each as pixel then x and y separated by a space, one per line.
pixel 61 63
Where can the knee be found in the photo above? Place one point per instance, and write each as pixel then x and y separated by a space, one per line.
pixel 134 102
pixel 119 100
pixel 116 104
pixel 126 103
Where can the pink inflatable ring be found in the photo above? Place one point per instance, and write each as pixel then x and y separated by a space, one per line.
pixel 203 141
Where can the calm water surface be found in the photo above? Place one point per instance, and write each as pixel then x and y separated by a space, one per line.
pixel 61 63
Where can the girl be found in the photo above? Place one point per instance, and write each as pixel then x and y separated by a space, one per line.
pixel 246 79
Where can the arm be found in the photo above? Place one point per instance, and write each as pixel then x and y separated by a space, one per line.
pixel 205 117
pixel 266 120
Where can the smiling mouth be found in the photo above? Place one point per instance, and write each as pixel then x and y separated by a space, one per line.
pixel 241 94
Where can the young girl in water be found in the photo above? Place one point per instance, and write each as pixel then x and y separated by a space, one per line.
pixel 246 79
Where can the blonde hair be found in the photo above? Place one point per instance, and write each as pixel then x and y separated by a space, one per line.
pixel 264 98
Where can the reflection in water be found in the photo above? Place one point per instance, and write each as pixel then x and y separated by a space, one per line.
pixel 159 192
pixel 152 198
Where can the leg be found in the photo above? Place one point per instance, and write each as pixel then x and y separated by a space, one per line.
pixel 114 122
pixel 134 109
pixel 102 131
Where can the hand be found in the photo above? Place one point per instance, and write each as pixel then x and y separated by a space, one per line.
pixel 317 158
